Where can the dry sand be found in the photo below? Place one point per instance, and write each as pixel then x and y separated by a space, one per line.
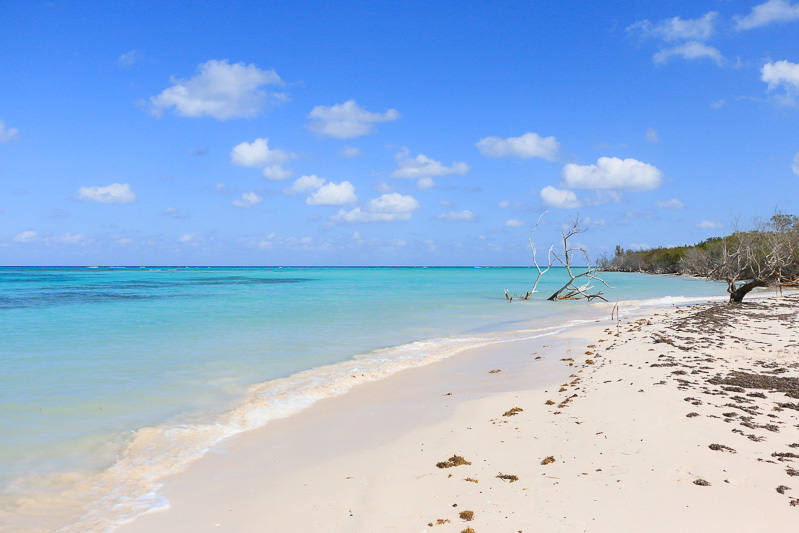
pixel 683 420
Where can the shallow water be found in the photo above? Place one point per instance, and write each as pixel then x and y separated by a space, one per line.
pixel 114 377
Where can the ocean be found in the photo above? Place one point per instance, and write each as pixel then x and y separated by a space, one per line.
pixel 113 378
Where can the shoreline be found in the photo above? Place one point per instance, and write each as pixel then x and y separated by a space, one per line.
pixel 366 460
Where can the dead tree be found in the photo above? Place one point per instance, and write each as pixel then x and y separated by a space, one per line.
pixel 766 255
pixel 573 290
pixel 580 285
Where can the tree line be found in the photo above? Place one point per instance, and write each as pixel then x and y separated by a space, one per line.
pixel 767 254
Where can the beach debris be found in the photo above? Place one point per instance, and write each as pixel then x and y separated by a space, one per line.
pixel 782 488
pixel 701 482
pixel 467 516
pixel 513 411
pixel 692 414
pixel 495 371
pixel 794 502
pixel 455 460
pixel 507 477
pixel 472 480
pixel 468 530
pixel 721 448
pixel 589 361
pixel 547 460
pixel 549 402
pixel 439 522
pixel 785 456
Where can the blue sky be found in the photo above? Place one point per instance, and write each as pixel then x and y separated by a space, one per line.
pixel 388 133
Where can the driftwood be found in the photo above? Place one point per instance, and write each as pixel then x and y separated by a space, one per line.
pixel 572 290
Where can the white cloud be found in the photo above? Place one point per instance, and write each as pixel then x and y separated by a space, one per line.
pixel 390 207
pixel 707 224
pixel 350 151
pixel 277 173
pixel 8 135
pixel 766 13
pixel 187 237
pixel 677 29
pixel 25 236
pixel 514 223
pixel 258 154
pixel 671 203
pixel 219 90
pixel 116 193
pixel 652 135
pixel 129 58
pixel 458 216
pixel 690 50
pixel 781 73
pixel 347 120
pixel 559 198
pixel 612 173
pixel 795 166
pixel 305 184
pixel 527 146
pixel 504 204
pixel 426 183
pixel 333 194
pixel 247 200
pixel 421 166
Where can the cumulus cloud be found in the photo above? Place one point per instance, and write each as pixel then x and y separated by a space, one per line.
pixel 390 207
pixel 277 173
pixel 559 198
pixel 219 90
pixel 305 184
pixel 795 166
pixel 26 236
pixel 767 13
pixel 424 168
pixel 347 120
pixel 8 134
pixel 247 200
pixel 528 145
pixel 676 29
pixel 116 193
pixel 612 173
pixel 652 135
pixel 690 50
pixel 671 203
pixel 333 194
pixel 458 216
pixel 258 154
pixel 708 224
pixel 426 183
pixel 515 223
pixel 781 74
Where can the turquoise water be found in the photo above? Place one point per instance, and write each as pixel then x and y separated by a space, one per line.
pixel 118 374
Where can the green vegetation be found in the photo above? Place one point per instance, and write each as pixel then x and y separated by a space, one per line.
pixel 767 254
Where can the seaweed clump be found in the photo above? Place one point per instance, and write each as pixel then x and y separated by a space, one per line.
pixel 455 460
pixel 467 516
pixel 513 412
pixel 547 460
pixel 701 482
pixel 508 477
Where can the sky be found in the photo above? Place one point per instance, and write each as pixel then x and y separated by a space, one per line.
pixel 388 133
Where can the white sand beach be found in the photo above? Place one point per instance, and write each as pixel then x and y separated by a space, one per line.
pixel 682 419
